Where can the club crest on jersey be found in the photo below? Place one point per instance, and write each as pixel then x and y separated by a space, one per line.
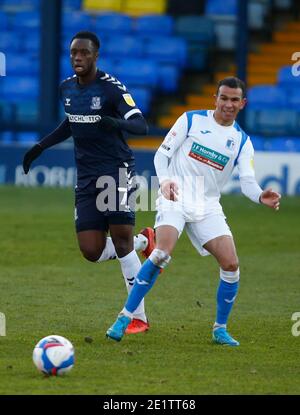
pixel 129 100
pixel 96 103
pixel 230 144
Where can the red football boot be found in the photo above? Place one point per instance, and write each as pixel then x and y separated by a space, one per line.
pixel 137 326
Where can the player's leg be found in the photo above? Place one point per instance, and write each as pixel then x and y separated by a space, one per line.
pixel 213 236
pixel 122 237
pixel 92 227
pixel 223 249
pixel 166 238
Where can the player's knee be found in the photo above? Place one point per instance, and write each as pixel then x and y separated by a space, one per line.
pixel 231 265
pixel 230 276
pixel 159 258
pixel 123 248
pixel 91 254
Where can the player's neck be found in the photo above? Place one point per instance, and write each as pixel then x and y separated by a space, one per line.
pixel 219 120
pixel 88 78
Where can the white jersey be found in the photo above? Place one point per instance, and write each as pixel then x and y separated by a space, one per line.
pixel 198 146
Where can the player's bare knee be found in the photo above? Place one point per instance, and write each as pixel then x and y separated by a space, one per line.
pixel 123 248
pixel 91 255
pixel 230 265
pixel 159 258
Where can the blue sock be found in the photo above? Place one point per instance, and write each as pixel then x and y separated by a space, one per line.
pixel 144 281
pixel 225 298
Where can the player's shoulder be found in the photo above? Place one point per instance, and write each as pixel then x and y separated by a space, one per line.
pixel 110 82
pixel 70 81
pixel 198 113
pixel 238 128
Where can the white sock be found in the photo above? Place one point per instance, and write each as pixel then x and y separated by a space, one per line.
pixel 140 242
pixel 130 265
pixel 109 251
pixel 217 326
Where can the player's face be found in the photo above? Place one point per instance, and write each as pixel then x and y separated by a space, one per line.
pixel 229 102
pixel 83 56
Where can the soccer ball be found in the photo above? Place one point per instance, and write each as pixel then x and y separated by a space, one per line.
pixel 53 355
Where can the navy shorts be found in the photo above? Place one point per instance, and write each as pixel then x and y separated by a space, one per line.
pixel 112 202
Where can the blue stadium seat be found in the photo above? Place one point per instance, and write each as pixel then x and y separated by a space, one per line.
pixel 271 122
pixel 107 65
pixel 198 56
pixel 26 111
pixel 159 25
pixel 21 64
pixel 257 12
pixel 142 97
pixel 196 28
pixel 266 97
pixel 293 98
pixel 14 88
pixel 6 137
pixel 26 20
pixel 71 4
pixel 75 21
pixel 112 23
pixel 27 137
pixel 31 44
pixel 66 69
pixel 168 76
pixel 286 77
pixel 21 4
pixel 219 7
pixel 6 110
pixel 3 20
pixel 123 46
pixel 137 72
pixel 9 41
pixel 171 50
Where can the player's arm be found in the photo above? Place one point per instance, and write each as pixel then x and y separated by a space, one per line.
pixel 136 124
pixel 172 141
pixel 249 185
pixel 60 134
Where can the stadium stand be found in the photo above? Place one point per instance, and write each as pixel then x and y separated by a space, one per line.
pixel 153 52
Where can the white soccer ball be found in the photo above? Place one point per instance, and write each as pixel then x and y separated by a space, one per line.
pixel 53 355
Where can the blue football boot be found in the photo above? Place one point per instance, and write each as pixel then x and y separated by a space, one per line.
pixel 117 330
pixel 221 336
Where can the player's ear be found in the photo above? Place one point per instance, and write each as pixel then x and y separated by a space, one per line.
pixel 243 103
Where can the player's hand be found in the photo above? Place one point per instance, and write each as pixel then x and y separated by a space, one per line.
pixel 270 199
pixel 169 190
pixel 30 156
pixel 108 123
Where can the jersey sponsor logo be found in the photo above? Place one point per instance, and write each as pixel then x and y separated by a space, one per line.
pixel 205 131
pixel 82 119
pixel 96 103
pixel 129 100
pixel 208 156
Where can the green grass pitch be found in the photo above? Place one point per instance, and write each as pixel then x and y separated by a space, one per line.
pixel 48 288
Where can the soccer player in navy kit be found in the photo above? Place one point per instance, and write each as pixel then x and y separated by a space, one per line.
pixel 100 112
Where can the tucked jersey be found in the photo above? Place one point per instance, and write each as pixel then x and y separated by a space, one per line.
pixel 200 147
pixel 97 151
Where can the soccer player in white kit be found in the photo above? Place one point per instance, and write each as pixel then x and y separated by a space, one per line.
pixel 194 162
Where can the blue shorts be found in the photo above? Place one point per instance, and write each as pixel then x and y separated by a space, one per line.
pixel 111 203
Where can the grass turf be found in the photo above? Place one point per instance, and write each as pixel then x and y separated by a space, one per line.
pixel 48 288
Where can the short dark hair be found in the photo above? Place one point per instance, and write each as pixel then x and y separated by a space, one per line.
pixel 232 82
pixel 87 35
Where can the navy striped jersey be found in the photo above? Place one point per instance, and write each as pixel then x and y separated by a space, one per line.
pixel 97 151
